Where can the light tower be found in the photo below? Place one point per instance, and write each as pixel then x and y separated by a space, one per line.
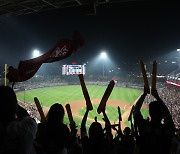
pixel 103 56
pixel 36 53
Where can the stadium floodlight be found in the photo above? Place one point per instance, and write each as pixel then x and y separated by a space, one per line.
pixel 36 53
pixel 103 55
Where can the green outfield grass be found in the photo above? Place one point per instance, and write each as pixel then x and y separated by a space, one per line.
pixel 66 94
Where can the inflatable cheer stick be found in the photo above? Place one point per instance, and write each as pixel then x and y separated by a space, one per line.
pixel 106 95
pixel 153 86
pixel 130 115
pixel 85 92
pixel 146 84
pixel 68 109
pixel 40 110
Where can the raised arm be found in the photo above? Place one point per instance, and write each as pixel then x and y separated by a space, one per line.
pixel 159 100
pixel 119 130
pixel 83 124
pixel 168 121
pixel 107 123
pixel 138 118
pixel 141 100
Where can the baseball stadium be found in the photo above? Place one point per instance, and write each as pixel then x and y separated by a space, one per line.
pixel 89 77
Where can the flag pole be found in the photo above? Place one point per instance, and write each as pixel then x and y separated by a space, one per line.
pixel 5 72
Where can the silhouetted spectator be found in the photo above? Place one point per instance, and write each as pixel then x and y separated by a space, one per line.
pixel 97 142
pixel 53 135
pixel 126 143
pixel 176 143
pixel 17 128
pixel 155 135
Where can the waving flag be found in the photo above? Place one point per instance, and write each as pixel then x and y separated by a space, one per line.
pixel 63 49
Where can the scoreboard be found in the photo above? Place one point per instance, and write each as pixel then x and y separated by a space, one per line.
pixel 73 69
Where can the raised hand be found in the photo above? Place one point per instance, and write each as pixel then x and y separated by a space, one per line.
pixel 143 70
pixel 73 129
pixel 155 93
pixel 107 122
pixel 146 91
pixel 83 123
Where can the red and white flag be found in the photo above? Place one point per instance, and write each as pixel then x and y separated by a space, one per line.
pixel 63 49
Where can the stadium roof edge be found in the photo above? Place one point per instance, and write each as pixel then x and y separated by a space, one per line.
pixel 20 7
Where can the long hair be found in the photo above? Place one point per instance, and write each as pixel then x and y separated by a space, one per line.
pixel 96 132
pixel 55 114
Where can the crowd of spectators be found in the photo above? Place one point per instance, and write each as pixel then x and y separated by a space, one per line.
pixel 30 108
pixel 170 95
pixel 20 133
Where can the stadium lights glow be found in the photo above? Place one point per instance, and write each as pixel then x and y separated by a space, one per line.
pixel 178 49
pixel 36 53
pixel 103 55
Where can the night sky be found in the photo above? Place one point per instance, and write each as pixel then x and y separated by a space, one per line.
pixel 127 31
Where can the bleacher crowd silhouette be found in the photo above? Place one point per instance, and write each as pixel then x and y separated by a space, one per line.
pixel 20 134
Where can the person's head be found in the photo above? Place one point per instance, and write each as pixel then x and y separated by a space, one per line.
pixel 127 131
pixel 96 131
pixel 55 114
pixel 8 102
pixel 156 111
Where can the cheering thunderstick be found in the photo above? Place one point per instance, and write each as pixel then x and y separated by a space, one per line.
pixel 119 112
pixel 68 109
pixel 146 84
pixel 120 118
pixel 130 115
pixel 153 86
pixel 40 110
pixel 106 95
pixel 85 92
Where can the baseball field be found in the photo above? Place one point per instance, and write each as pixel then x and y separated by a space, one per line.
pixel 123 97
